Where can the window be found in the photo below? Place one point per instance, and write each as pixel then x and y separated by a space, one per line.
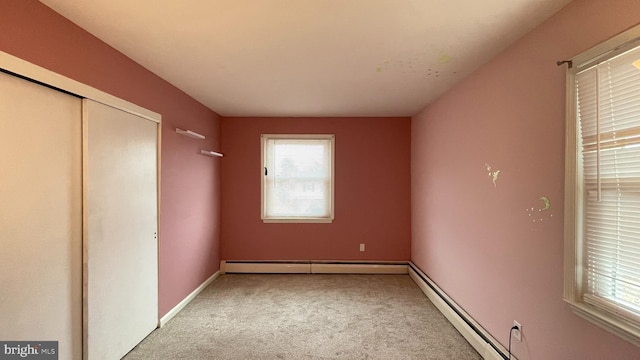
pixel 602 220
pixel 297 183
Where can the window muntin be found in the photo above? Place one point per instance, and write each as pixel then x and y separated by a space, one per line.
pixel 297 183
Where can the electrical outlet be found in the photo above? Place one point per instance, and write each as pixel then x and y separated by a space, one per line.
pixel 517 333
pixel 361 247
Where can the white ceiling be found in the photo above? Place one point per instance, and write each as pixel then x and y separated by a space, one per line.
pixel 310 57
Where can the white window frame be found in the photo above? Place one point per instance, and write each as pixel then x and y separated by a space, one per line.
pixel 618 324
pixel 263 196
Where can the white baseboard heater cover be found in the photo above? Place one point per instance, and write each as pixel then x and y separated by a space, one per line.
pixel 313 267
pixel 265 268
pixel 487 346
pixel 480 339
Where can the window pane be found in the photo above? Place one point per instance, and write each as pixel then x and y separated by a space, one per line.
pixel 300 181
pixel 612 247
pixel 297 184
pixel 608 110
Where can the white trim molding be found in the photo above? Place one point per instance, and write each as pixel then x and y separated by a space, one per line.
pixel 485 344
pixel 608 48
pixel 314 267
pixel 39 74
pixel 620 324
pixel 268 144
pixel 598 317
pixel 266 268
pixel 400 269
pixel 176 309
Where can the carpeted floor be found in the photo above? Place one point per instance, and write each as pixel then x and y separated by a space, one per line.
pixel 299 317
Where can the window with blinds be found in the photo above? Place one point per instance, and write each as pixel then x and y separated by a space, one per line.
pixel 297 184
pixel 606 210
pixel 608 109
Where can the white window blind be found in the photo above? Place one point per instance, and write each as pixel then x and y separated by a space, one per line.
pixel 608 111
pixel 298 178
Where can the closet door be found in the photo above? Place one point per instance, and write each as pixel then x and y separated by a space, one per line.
pixel 121 219
pixel 40 216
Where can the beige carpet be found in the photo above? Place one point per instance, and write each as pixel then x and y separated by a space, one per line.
pixel 308 317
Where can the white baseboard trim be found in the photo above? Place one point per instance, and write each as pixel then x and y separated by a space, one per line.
pixel 314 267
pixel 459 318
pixel 176 309
pixel 266 268
pixel 456 316
pixel 359 269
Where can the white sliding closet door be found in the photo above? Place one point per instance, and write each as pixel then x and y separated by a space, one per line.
pixel 121 219
pixel 40 216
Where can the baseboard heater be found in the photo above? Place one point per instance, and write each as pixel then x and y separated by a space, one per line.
pixel 480 339
pixel 313 267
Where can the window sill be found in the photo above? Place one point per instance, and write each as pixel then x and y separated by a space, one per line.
pixel 606 321
pixel 299 221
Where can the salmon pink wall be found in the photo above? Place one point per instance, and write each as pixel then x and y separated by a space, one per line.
pixel 372 192
pixel 479 242
pixel 190 186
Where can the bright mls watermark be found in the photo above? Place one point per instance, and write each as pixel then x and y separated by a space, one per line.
pixel 39 350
